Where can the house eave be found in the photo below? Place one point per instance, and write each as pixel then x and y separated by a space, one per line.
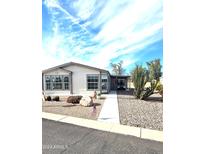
pixel 73 63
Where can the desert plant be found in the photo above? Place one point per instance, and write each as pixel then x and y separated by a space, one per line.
pixel 141 75
pixel 159 88
pixel 74 99
pixel 56 98
pixel 154 71
pixel 48 98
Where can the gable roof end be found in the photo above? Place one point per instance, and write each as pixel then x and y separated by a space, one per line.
pixel 72 63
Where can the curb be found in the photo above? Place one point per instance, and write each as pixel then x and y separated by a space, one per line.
pixel 108 127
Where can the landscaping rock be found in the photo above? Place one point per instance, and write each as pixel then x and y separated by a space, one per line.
pixel 86 101
pixel 74 99
pixel 140 113
pixel 43 98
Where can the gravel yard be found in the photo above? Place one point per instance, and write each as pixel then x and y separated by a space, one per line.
pixel 140 113
pixel 74 110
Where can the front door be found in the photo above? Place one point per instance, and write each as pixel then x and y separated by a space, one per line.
pixel 121 84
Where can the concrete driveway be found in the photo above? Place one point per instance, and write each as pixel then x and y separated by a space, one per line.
pixel 67 138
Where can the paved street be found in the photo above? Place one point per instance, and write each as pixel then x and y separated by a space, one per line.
pixel 65 138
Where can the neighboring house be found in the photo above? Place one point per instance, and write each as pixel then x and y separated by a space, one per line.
pixel 74 78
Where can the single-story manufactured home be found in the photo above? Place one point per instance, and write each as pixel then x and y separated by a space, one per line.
pixel 74 78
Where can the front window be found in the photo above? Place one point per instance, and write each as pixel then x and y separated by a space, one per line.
pixel 92 82
pixel 66 83
pixel 48 83
pixel 57 82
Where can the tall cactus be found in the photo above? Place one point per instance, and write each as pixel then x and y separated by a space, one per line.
pixel 155 73
pixel 139 77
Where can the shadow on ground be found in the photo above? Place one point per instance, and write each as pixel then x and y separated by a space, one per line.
pixel 72 105
pixel 154 99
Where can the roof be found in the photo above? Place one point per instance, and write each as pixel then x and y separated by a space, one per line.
pixel 125 76
pixel 72 63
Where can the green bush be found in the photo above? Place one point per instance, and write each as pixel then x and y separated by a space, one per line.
pixel 56 98
pixel 48 98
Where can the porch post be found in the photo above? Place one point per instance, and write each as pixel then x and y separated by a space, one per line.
pixel 42 82
pixel 71 83
pixel 100 83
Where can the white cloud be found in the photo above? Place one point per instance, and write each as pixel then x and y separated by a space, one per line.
pixel 51 3
pixel 129 25
pixel 84 8
pixel 47 60
pixel 56 4
pixel 121 26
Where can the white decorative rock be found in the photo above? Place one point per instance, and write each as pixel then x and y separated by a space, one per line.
pixel 86 101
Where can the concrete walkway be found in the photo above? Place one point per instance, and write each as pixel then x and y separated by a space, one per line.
pixel 110 111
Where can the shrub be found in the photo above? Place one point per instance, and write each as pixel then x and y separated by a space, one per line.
pixel 56 98
pixel 48 98
pixel 74 99
pixel 159 88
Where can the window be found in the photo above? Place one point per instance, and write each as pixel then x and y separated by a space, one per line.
pixel 104 82
pixel 92 82
pixel 66 83
pixel 57 82
pixel 48 83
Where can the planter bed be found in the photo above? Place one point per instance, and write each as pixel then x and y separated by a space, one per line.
pixel 75 110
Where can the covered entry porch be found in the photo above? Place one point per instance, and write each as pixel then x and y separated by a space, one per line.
pixel 119 82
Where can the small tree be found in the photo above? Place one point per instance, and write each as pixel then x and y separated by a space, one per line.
pixel 117 68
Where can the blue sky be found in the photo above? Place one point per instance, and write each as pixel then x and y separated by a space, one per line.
pixel 98 32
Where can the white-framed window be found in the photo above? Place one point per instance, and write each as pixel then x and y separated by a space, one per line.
pixel 92 82
pixel 48 83
pixel 104 82
pixel 66 82
pixel 57 82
